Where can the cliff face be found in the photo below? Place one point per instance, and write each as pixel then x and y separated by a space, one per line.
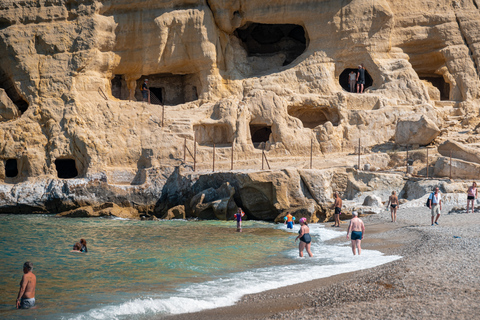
pixel 270 75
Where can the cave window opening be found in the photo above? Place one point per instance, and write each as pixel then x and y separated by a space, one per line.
pixel 343 79
pixel 119 87
pixel 260 134
pixel 169 89
pixel 66 168
pixel 157 95
pixel 264 40
pixel 11 169
pixel 439 83
pixel 312 117
pixel 10 89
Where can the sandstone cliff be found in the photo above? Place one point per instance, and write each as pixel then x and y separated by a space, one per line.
pixel 247 75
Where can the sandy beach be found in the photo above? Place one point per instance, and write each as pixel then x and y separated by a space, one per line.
pixel 438 276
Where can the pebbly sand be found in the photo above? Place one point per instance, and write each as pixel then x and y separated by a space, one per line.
pixel 438 276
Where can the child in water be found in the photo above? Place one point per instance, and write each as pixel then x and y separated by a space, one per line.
pixel 289 220
pixel 238 216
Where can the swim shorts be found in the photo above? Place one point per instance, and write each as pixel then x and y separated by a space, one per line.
pixel 338 210
pixel 356 235
pixel 27 303
pixel 290 225
pixel 470 197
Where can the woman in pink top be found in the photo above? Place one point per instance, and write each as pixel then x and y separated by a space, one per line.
pixel 472 194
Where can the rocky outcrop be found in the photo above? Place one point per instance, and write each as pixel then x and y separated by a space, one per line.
pixel 8 110
pixel 456 168
pixel 420 131
pixel 459 151
pixel 105 210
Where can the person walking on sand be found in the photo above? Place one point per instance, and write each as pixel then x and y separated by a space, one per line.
pixel 357 228
pixel 394 204
pixel 304 236
pixel 472 194
pixel 238 216
pixel 435 205
pixel 26 294
pixel 289 220
pixel 337 205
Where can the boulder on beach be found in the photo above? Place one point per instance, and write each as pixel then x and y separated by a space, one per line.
pixel 420 131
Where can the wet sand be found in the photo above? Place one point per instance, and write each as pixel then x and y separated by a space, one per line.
pixel 438 276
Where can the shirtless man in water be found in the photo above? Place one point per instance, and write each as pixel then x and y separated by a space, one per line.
pixel 338 209
pixel 357 228
pixel 26 294
pixel 393 202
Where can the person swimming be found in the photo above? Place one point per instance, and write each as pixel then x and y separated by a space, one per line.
pixel 83 243
pixel 305 238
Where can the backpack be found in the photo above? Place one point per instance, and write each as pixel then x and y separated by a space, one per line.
pixel 429 200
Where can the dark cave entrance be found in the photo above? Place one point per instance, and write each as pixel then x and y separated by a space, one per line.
pixel 66 168
pixel 343 79
pixel 10 89
pixel 260 133
pixel 11 169
pixel 260 39
pixel 439 83
pixel 119 87
pixel 312 117
pixel 158 93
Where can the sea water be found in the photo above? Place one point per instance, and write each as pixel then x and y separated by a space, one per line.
pixel 150 269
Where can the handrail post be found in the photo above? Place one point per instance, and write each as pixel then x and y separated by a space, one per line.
pixel 450 164
pixel 359 154
pixel 311 152
pixel 148 96
pixel 406 161
pixel 194 152
pixel 427 162
pixel 213 168
pixel 231 165
pixel 263 153
pixel 163 113
pixel 185 151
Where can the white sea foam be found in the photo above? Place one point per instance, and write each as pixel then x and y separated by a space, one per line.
pixel 328 260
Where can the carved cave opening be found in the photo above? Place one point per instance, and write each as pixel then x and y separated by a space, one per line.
pixel 10 89
pixel 119 87
pixel 438 82
pixel 260 40
pixel 11 168
pixel 312 117
pixel 169 89
pixel 209 134
pixel 66 168
pixel 260 133
pixel 343 79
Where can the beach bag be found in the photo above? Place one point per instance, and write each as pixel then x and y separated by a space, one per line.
pixel 429 200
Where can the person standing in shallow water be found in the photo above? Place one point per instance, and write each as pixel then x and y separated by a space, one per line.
pixel 238 216
pixel 304 236
pixel 472 194
pixel 289 220
pixel 394 204
pixel 26 294
pixel 337 205
pixel 357 228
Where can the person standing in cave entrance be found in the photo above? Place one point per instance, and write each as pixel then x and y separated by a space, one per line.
pixel 145 90
pixel 360 78
pixel 352 81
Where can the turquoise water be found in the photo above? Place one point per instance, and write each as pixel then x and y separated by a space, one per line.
pixel 146 269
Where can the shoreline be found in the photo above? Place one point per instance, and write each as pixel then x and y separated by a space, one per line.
pixel 388 290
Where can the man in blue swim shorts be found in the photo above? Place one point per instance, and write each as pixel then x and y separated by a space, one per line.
pixel 357 228
pixel 289 220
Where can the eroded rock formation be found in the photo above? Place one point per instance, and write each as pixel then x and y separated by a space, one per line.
pixel 247 74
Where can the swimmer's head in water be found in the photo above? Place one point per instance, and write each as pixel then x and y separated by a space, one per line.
pixel 303 220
